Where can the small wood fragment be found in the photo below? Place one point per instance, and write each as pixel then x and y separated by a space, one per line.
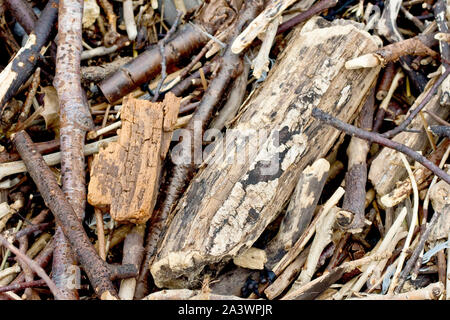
pixel 125 174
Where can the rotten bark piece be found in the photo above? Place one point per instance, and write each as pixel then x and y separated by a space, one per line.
pixel 233 203
pixel 440 8
pixel 300 210
pixel 351 217
pixel 22 66
pixel 148 64
pixel 130 188
pixel 417 46
pixel 385 172
pixel 133 252
pixel 421 174
pixel 98 271
pixel 23 12
pixel 75 120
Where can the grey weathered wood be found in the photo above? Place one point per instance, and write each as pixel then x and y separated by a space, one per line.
pixel 228 205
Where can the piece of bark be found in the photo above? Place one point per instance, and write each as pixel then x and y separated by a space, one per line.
pixel 252 258
pixel 300 210
pixel 421 174
pixel 100 274
pixel 125 175
pixel 385 170
pixel 228 205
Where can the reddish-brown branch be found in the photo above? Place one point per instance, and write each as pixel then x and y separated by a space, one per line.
pixel 380 139
pixel 75 120
pixel 23 285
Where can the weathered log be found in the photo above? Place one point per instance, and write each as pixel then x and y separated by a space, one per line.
pixel 229 203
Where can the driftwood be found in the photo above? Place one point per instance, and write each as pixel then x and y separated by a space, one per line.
pixel 228 205
pixel 130 188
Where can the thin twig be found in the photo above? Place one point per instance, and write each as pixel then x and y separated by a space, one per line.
pixel 380 139
pixel 34 266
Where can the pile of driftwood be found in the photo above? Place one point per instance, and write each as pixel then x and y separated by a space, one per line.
pixel 242 149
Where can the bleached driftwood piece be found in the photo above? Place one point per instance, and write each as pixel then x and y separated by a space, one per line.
pixel 300 210
pixel 386 169
pixel 261 62
pixel 125 174
pixel 258 25
pixel 230 202
pixel 252 258
pixel 324 231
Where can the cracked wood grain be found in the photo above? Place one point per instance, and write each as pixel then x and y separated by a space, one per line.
pixel 125 174
pixel 229 203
